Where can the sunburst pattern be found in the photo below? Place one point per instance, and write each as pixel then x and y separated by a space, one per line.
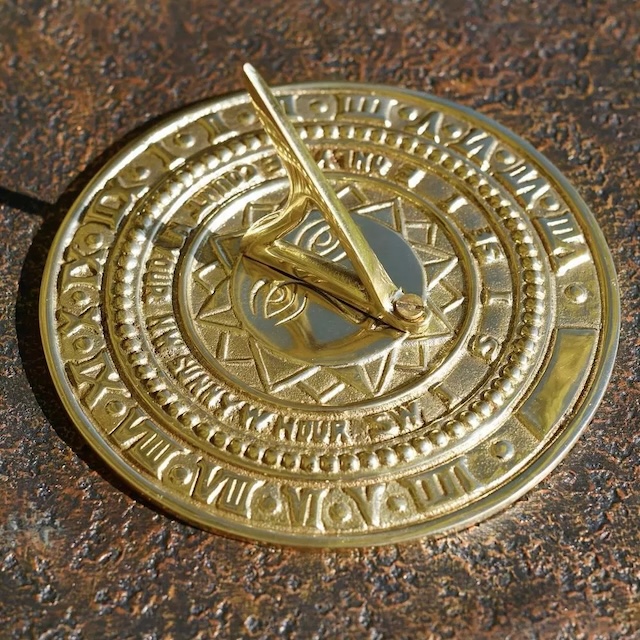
pixel 253 363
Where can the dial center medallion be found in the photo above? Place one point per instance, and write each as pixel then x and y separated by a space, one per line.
pixel 212 341
pixel 250 323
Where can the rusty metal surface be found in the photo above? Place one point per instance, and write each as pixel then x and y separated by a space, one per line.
pixel 80 557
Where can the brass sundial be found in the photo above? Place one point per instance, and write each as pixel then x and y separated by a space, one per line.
pixel 332 315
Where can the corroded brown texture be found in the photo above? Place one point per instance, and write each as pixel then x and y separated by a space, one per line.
pixel 80 556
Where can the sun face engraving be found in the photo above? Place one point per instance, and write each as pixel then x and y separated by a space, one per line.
pixel 284 338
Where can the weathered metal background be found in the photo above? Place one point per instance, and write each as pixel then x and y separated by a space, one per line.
pixel 80 556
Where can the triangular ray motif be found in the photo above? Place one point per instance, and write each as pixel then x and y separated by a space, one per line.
pixel 370 378
pixel 389 213
pixel 435 271
pixel 323 386
pixel 380 373
pixel 424 233
pixel 226 249
pixel 438 322
pixel 233 348
pixel 413 356
pixel 289 374
pixel 325 395
pixel 217 303
pixel 357 377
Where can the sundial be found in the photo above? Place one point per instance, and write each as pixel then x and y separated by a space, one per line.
pixel 331 314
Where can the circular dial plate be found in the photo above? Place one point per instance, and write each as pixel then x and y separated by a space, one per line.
pixel 247 402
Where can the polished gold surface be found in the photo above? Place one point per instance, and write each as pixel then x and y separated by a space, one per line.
pixel 360 316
